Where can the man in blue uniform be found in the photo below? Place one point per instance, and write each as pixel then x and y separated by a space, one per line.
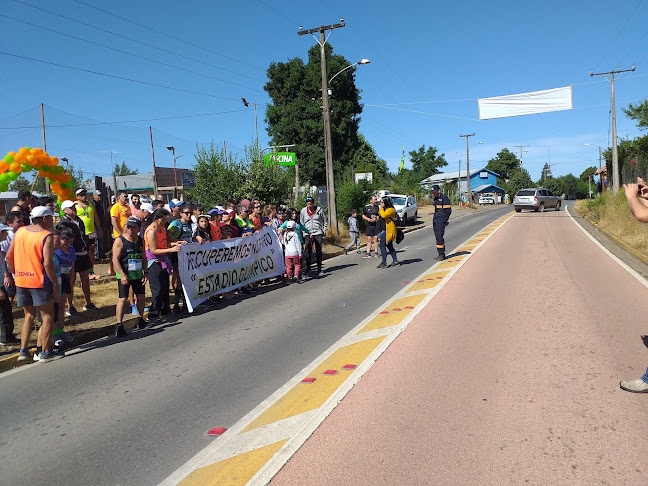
pixel 442 210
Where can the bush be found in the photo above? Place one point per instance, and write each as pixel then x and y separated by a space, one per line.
pixel 353 196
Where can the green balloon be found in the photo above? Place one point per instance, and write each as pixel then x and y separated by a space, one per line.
pixel 4 178
pixel 9 159
pixel 13 176
pixel 4 187
pixel 45 168
pixel 25 167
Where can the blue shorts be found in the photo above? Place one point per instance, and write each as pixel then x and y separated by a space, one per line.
pixel 26 297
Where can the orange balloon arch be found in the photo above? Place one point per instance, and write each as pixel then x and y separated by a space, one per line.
pixel 28 159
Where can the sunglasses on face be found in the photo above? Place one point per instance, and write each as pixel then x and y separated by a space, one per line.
pixel 186 212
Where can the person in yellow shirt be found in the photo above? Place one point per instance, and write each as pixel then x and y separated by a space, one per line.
pixel 119 214
pixel 387 232
pixel 87 213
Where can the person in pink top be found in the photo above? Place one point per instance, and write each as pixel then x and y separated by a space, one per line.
pixel 135 206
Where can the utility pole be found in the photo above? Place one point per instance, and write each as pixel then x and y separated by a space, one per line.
pixel 328 147
pixel 522 152
pixel 113 171
pixel 459 184
pixel 155 186
pixel 47 187
pixel 467 137
pixel 615 152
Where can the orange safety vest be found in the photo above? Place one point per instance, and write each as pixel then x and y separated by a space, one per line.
pixel 28 258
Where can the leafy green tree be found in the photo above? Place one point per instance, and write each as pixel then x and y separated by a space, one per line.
pixel 504 164
pixel 269 183
pixel 217 178
pixel 295 115
pixel 124 170
pixel 587 173
pixel 518 179
pixel 405 181
pixel 639 113
pixel 353 196
pixel 426 162
pixel 365 159
pixel 20 184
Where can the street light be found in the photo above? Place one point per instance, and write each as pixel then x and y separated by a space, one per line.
pixel 175 172
pixel 600 173
pixel 362 61
pixel 256 128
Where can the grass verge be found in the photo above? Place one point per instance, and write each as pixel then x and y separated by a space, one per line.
pixel 610 213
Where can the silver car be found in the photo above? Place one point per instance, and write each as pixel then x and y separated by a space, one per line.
pixel 536 199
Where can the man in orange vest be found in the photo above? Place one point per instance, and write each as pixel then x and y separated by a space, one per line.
pixel 31 258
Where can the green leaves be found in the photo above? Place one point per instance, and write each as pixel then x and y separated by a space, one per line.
pixel 426 163
pixel 504 164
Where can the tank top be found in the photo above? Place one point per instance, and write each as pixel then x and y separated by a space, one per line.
pixel 87 215
pixel 130 258
pixel 160 239
pixel 28 258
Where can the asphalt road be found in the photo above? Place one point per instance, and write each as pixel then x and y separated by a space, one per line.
pixel 133 411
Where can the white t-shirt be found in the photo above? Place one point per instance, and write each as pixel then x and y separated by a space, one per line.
pixel 293 246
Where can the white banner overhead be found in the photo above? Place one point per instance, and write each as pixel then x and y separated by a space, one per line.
pixel 221 266
pixel 556 99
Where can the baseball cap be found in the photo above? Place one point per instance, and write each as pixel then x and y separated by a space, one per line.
pixel 41 211
pixel 67 204
pixel 217 211
pixel 436 187
pixel 80 190
pixel 231 212
pixel 97 192
pixel 4 227
pixel 291 224
pixel 309 198
pixel 175 203
pixel 147 207
pixel 133 221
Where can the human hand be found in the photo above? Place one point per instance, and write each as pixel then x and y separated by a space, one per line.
pixel 8 281
pixel 447 223
pixel 199 239
pixel 643 188
pixel 144 279
pixel 124 280
pixel 631 190
pixel 56 297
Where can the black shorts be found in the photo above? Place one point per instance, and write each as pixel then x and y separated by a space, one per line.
pixel 136 285
pixel 82 263
pixel 372 230
pixel 65 284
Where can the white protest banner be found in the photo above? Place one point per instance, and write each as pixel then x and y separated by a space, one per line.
pixel 221 266
pixel 556 99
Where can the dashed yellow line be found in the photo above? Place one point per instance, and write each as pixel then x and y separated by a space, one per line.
pixel 309 396
pixel 391 317
pixel 234 471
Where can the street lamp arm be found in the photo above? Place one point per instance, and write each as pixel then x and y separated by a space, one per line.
pixel 363 61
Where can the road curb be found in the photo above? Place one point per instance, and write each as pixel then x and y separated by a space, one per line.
pixel 83 337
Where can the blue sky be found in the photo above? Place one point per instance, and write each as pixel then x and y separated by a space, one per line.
pixel 429 64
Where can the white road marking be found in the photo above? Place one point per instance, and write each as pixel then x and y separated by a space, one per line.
pixel 608 252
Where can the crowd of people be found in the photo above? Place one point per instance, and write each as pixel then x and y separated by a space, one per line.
pixel 44 247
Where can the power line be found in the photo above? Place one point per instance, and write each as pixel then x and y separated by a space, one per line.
pixel 621 29
pixel 169 36
pixel 114 76
pixel 127 53
pixel 420 112
pixel 124 121
pixel 133 40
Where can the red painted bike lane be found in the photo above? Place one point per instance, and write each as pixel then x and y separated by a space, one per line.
pixel 508 376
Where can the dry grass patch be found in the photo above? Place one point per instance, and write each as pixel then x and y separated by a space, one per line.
pixel 610 213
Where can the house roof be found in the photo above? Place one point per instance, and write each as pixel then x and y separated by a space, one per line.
pixel 487 188
pixel 601 170
pixel 453 175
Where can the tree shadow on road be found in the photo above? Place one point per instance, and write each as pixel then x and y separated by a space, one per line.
pixel 645 340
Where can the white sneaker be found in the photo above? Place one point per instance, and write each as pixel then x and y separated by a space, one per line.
pixel 67 313
pixel 634 386
pixel 57 341
pixel 37 356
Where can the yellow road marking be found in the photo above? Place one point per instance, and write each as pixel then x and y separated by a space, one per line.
pixel 235 471
pixel 393 317
pixel 429 281
pixel 304 397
